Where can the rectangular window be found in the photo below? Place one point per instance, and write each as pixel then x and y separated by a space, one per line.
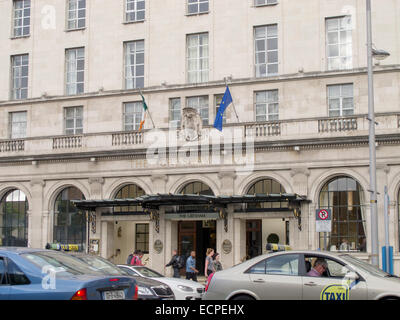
pixel 267 105
pixel 264 2
pixel 75 70
pixel 21 18
pixel 201 105
pixel 218 100
pixel 197 6
pixel 73 120
pixel 134 10
pixel 133 115
pixel 266 50
pixel 339 43
pixel 134 64
pixel 142 237
pixel 197 58
pixel 76 14
pixel 18 124
pixel 341 100
pixel 175 113
pixel 20 68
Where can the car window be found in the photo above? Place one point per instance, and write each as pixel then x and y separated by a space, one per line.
pixel 16 276
pixel 287 264
pixel 334 270
pixel 146 272
pixel 63 263
pixel 258 268
pixel 102 265
pixel 2 272
pixel 129 271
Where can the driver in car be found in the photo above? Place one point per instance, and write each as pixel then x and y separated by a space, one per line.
pixel 320 266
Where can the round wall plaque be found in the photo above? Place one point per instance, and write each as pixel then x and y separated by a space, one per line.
pixel 227 246
pixel 158 246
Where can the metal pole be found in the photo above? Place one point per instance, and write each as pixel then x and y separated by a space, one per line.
pixel 387 229
pixel 372 147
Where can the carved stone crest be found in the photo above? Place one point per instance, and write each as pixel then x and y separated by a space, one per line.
pixel 192 124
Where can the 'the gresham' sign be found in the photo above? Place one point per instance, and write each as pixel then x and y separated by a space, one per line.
pixel 192 216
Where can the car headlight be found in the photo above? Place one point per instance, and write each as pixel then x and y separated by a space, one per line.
pixel 184 288
pixel 143 291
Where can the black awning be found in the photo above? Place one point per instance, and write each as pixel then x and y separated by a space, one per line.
pixel 157 200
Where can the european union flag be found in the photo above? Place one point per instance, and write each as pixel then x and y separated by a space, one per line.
pixel 226 101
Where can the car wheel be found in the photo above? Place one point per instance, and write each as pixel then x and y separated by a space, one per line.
pixel 243 297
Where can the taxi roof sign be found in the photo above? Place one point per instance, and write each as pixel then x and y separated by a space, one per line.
pixel 274 247
pixel 63 247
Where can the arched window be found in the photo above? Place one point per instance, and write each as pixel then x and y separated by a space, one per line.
pixel 13 219
pixel 196 188
pixel 345 197
pixel 69 222
pixel 263 187
pixel 130 191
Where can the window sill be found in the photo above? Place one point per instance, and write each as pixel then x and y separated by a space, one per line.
pixel 75 29
pixel 197 13
pixel 266 5
pixel 133 22
pixel 20 37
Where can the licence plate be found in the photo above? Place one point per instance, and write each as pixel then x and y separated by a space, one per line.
pixel 114 295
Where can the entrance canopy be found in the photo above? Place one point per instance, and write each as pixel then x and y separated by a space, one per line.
pixel 154 202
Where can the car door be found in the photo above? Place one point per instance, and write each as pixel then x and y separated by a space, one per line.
pixel 4 286
pixel 339 283
pixel 21 287
pixel 276 277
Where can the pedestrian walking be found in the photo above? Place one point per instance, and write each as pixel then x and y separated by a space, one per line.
pixel 209 265
pixel 217 262
pixel 137 258
pixel 191 271
pixel 175 263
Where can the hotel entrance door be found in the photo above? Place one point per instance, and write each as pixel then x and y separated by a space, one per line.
pixel 196 236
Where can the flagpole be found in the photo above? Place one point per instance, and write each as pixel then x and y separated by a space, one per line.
pixel 140 91
pixel 233 104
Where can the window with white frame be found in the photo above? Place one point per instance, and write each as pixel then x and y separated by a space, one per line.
pixel 134 64
pixel 75 70
pixel 201 105
pixel 266 50
pixel 21 18
pixel 267 105
pixel 19 76
pixel 76 14
pixel 73 117
pixel 264 2
pixel 174 113
pixel 135 10
pixel 339 43
pixel 340 100
pixel 197 57
pixel 18 123
pixel 218 100
pixel 133 115
pixel 197 6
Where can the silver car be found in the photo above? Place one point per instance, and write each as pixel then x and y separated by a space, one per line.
pixel 292 275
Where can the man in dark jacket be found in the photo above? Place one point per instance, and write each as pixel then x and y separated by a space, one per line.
pixel 175 263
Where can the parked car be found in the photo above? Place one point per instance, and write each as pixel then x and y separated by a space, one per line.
pixel 148 289
pixel 38 274
pixel 307 275
pixel 182 288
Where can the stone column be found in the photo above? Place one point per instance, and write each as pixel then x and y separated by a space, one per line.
pixel 35 223
pixel 158 232
pixel 96 188
pixel 227 182
pixel 107 239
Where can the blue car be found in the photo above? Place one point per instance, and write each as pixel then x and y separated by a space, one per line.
pixel 37 274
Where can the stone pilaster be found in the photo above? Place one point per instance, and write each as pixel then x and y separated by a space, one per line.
pixel 227 182
pixel 35 213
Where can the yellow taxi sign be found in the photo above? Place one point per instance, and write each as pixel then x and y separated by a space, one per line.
pixel 274 247
pixel 63 247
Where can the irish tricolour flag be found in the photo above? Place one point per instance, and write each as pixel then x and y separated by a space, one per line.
pixel 144 113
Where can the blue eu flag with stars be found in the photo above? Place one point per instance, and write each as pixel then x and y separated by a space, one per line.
pixel 226 101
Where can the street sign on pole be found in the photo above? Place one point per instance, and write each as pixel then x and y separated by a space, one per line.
pixel 323 220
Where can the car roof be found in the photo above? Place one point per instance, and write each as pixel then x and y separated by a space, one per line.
pixel 20 250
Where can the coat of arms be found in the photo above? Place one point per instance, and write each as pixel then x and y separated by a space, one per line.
pixel 192 124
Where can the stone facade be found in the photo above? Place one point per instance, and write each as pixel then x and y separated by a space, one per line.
pixel 302 150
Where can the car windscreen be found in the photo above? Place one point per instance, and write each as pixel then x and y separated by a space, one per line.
pixel 364 266
pixel 146 272
pixel 60 263
pixel 102 265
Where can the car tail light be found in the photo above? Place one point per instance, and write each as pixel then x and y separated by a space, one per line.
pixel 114 280
pixel 135 297
pixel 80 295
pixel 209 281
